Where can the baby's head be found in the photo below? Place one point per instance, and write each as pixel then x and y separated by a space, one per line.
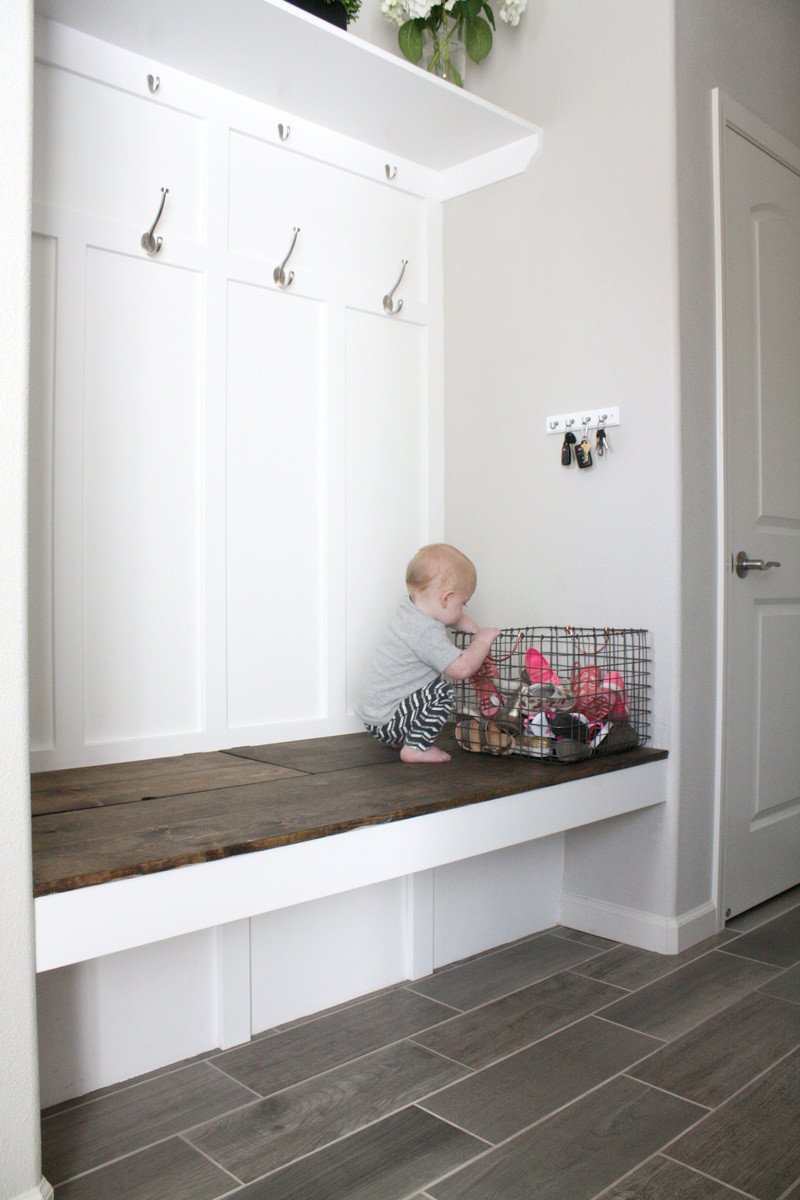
pixel 437 572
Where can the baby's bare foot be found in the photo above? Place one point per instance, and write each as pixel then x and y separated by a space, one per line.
pixel 433 754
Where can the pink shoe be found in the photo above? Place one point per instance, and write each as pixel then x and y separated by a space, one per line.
pixel 489 699
pixel 614 684
pixel 592 698
pixel 539 669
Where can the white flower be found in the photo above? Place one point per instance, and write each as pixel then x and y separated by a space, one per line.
pixel 394 10
pixel 418 8
pixel 510 10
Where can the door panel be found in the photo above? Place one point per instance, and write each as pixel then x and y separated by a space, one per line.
pixel 778 656
pixel 761 773
pixel 777 293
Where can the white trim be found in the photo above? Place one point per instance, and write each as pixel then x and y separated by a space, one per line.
pixel 419 925
pixel 42 1192
pixel 728 114
pixel 718 131
pixel 648 931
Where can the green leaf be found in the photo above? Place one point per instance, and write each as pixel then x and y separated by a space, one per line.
pixel 411 41
pixel 477 39
pixel 489 15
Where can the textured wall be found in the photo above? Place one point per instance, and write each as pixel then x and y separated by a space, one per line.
pixel 19 1130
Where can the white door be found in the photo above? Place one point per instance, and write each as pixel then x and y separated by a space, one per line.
pixel 761 347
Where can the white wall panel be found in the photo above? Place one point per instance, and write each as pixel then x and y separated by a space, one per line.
pixel 275 515
pixel 141 517
pixel 40 491
pixel 386 475
pixel 315 955
pixel 124 1014
pixel 360 231
pixel 102 151
pixel 507 894
pixel 240 472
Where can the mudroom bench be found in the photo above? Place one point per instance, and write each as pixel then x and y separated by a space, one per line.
pixel 137 852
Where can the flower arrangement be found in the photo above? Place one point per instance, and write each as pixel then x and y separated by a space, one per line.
pixel 351 7
pixel 445 22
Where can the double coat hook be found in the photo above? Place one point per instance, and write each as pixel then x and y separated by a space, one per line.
pixel 279 274
pixel 150 243
pixel 389 305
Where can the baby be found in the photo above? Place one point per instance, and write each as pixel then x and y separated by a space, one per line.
pixel 406 701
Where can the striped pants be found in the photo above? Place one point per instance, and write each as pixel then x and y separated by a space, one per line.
pixel 419 718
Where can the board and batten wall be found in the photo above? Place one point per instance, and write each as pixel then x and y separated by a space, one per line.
pixel 228 479
pixel 228 476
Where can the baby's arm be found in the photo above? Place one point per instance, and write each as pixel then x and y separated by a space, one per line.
pixel 466 624
pixel 470 659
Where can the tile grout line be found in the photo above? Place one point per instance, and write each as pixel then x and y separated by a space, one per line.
pixel 713 1178
pixel 522 987
pixel 762 962
pixel 666 1158
pixel 343 1137
pixel 198 1150
pixel 232 1079
pixel 110 1162
pixel 78 1102
pixel 518 1133
pixel 555 1033
pixel 790 1191
pixel 409 1037
pixel 714 1109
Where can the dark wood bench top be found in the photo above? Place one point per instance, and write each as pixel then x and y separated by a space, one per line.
pixel 96 824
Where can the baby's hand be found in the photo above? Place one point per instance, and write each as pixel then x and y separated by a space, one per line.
pixel 487 634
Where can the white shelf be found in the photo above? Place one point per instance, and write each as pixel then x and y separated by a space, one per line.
pixel 273 53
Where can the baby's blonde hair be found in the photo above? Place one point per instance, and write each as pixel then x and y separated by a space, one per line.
pixel 439 562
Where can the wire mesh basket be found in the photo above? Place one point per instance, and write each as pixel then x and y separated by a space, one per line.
pixel 560 693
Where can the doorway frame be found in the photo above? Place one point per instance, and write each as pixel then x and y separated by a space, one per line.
pixel 728 114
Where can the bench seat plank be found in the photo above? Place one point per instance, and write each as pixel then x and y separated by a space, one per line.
pixel 117 839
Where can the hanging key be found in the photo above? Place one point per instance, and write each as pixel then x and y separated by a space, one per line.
pixel 601 441
pixel 583 454
pixel 566 448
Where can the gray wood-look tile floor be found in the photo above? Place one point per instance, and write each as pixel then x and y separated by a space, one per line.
pixel 561 1067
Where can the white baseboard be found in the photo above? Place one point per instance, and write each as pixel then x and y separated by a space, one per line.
pixel 648 931
pixel 42 1192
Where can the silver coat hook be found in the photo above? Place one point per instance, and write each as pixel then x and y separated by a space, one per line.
pixel 284 131
pixel 279 274
pixel 390 171
pixel 389 305
pixel 150 243
pixel 153 84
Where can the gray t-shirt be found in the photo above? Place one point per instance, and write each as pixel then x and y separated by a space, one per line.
pixel 414 652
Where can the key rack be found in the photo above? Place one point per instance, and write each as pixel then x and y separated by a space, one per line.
pixel 583 418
